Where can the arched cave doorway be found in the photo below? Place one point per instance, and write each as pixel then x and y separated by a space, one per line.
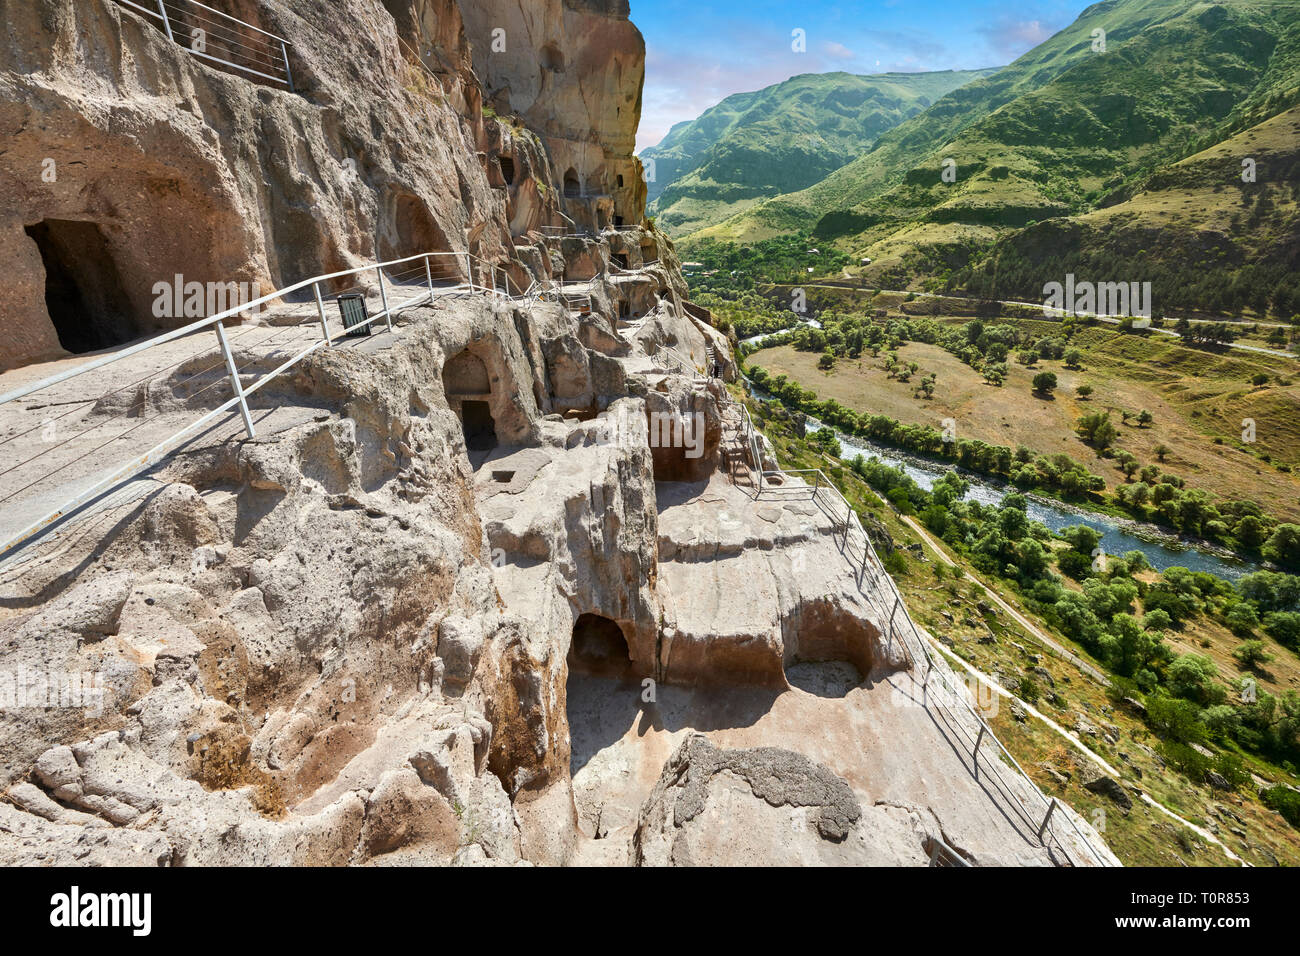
pixel 469 393
pixel 83 291
pixel 832 651
pixel 600 706
pixel 572 185
pixel 507 169
pixel 599 647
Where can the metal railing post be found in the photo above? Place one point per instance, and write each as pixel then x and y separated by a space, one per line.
pixel 235 384
pixel 284 52
pixel 324 322
pixel 897 602
pixel 1047 819
pixel 428 274
pixel 383 297
pixel 167 24
pixel 469 271
pixel 975 755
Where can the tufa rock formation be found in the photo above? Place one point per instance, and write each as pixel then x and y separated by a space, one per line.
pixel 479 582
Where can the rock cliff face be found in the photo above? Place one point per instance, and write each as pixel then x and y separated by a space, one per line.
pixel 478 579
pixel 129 161
pixel 572 70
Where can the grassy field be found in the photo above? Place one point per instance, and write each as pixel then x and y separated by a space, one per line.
pixel 1198 399
pixel 1001 648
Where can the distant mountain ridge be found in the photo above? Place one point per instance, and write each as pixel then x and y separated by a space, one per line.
pixel 785 137
pixel 1066 132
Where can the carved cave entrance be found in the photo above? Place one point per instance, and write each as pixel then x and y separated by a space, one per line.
pixel 599 647
pixel 480 429
pixel 469 393
pixel 599 708
pixel 572 185
pixel 833 651
pixel 83 291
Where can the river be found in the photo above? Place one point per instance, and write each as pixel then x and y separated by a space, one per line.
pixel 1116 538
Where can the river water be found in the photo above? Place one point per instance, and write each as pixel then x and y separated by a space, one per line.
pixel 1116 539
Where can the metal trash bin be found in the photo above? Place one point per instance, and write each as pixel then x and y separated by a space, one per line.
pixel 352 305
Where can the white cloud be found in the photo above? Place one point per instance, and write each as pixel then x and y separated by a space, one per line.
pixel 1010 38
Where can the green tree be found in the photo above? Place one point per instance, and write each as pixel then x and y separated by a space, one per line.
pixel 1252 655
pixel 1097 429
pixel 1241 619
pixel 1283 545
pixel 1045 383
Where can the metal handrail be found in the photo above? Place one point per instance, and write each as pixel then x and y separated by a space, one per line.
pixel 429 292
pixel 205 323
pixel 274 57
pixel 870 557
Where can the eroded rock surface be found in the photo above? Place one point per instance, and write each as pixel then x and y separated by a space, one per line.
pixel 476 578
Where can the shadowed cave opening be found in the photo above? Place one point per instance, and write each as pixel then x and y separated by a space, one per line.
pixel 834 652
pixel 83 290
pixel 468 389
pixel 572 185
pixel 480 429
pixel 599 647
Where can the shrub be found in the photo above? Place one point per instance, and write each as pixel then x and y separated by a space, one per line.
pixel 1285 801
pixel 1252 654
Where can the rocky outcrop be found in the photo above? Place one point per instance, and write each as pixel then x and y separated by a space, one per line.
pixel 477 576
pixel 130 162
pixel 766 807
pixel 572 70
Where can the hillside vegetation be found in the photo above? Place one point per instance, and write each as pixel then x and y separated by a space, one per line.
pixel 1199 709
pixel 1067 132
pixel 753 146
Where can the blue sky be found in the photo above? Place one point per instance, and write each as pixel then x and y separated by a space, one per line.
pixel 698 52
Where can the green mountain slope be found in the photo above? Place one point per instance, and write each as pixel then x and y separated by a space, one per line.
pixel 753 146
pixel 1052 133
pixel 1206 240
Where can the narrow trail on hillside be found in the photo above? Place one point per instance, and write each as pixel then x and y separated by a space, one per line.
pixel 1079 663
pixel 1056 646
pixel 1094 757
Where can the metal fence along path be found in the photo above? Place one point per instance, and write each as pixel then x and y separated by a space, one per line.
pixel 947 697
pixel 73 435
pixel 217 37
